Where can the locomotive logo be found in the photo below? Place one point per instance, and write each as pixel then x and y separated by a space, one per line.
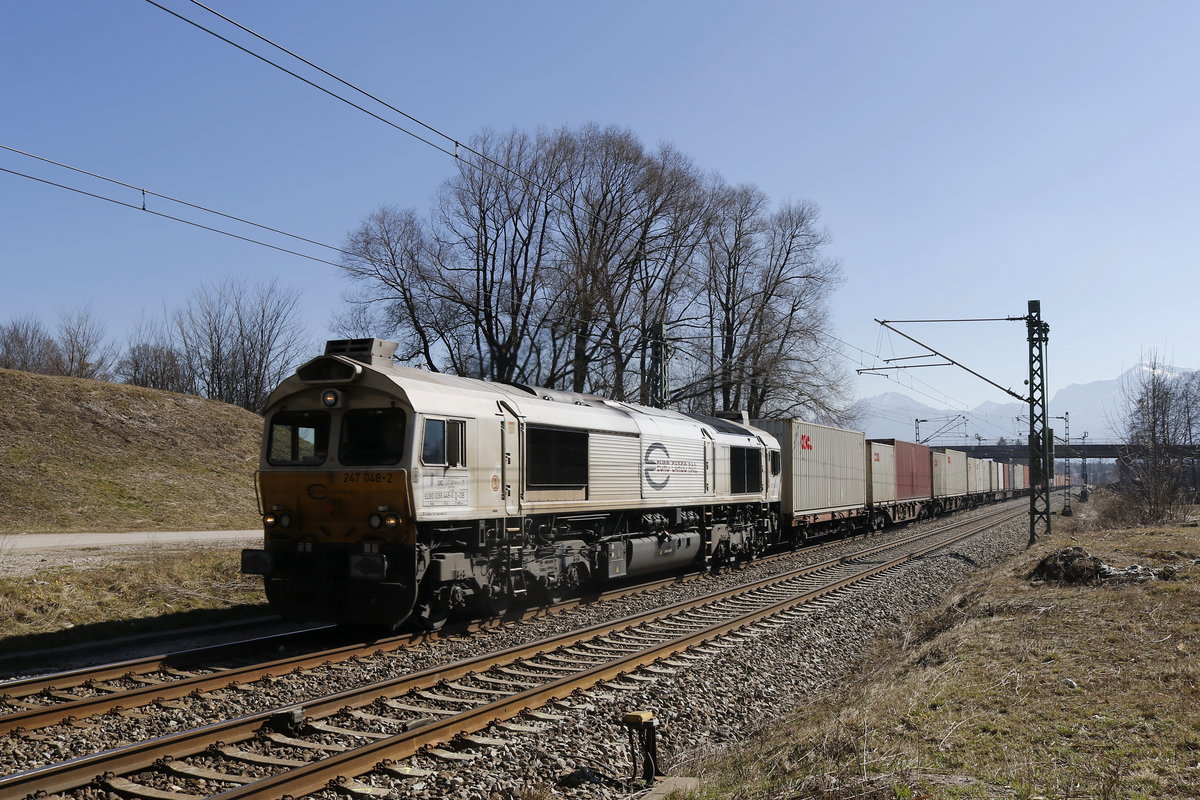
pixel 652 465
pixel 318 491
pixel 659 466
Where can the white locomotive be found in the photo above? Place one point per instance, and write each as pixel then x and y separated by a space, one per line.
pixel 391 493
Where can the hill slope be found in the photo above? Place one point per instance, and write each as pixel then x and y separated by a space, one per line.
pixel 83 455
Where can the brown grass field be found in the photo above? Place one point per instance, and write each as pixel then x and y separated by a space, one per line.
pixel 1011 689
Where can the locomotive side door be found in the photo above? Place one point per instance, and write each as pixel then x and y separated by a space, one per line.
pixel 510 459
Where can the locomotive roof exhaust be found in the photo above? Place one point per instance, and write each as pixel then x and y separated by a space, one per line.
pixel 376 352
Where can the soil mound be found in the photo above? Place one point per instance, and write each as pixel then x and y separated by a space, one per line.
pixel 1077 566
pixel 1069 565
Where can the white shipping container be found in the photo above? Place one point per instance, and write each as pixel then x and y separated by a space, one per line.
pixel 978 475
pixel 825 468
pixel 949 473
pixel 882 468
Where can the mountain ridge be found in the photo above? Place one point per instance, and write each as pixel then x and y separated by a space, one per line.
pixel 1094 408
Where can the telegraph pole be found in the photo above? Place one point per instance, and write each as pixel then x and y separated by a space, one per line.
pixel 1040 445
pixel 1083 492
pixel 1066 418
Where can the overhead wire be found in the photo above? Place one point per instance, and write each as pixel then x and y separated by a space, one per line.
pixel 458 144
pixel 148 192
pixel 194 224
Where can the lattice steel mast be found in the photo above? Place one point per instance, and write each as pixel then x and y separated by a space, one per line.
pixel 1040 436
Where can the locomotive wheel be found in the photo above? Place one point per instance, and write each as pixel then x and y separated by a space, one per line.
pixel 431 615
pixel 494 601
pixel 571 584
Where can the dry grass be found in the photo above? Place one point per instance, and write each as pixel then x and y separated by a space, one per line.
pixel 1012 690
pixel 81 455
pixel 149 588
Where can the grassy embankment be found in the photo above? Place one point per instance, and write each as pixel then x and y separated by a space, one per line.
pixel 80 455
pixel 1011 689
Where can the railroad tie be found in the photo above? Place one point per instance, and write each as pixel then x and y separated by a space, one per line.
pixel 424 711
pixel 479 690
pixel 192 771
pixel 250 757
pixel 128 787
pixel 448 755
pixel 279 738
pixel 325 727
pixel 396 770
pixel 356 788
pixel 442 698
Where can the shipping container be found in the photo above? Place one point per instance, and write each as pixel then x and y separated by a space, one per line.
pixel 828 466
pixel 977 475
pixel 949 473
pixel 882 469
pixel 914 469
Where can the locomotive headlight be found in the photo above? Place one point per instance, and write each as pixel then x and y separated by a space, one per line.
pixel 375 521
pixel 285 520
pixel 391 520
pixel 270 520
pixel 330 398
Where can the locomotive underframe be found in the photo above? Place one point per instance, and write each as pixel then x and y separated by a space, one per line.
pixel 482 567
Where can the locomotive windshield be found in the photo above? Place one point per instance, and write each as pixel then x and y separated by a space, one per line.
pixel 299 438
pixel 373 436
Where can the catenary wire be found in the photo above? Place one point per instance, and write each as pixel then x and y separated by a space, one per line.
pixel 167 216
pixel 455 154
pixel 196 206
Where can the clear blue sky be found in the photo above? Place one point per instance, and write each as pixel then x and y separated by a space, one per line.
pixel 967 157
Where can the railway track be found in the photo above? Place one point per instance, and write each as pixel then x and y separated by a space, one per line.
pixel 337 739
pixel 44 700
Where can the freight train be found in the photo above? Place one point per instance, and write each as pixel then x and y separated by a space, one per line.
pixel 392 495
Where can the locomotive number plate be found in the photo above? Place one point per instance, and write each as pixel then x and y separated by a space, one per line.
pixel 368 477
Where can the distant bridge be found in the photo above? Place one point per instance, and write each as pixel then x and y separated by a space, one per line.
pixel 1020 452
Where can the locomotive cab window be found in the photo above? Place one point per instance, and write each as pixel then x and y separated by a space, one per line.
pixel 372 436
pixel 444 443
pixel 776 463
pixel 745 470
pixel 298 438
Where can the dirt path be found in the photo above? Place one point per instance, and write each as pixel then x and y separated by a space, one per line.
pixel 29 553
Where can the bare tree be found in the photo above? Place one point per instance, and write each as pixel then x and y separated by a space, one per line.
pixel 153 360
pixel 555 277
pixel 25 344
pixel 626 241
pixel 240 340
pixel 767 293
pixel 1158 425
pixel 82 349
